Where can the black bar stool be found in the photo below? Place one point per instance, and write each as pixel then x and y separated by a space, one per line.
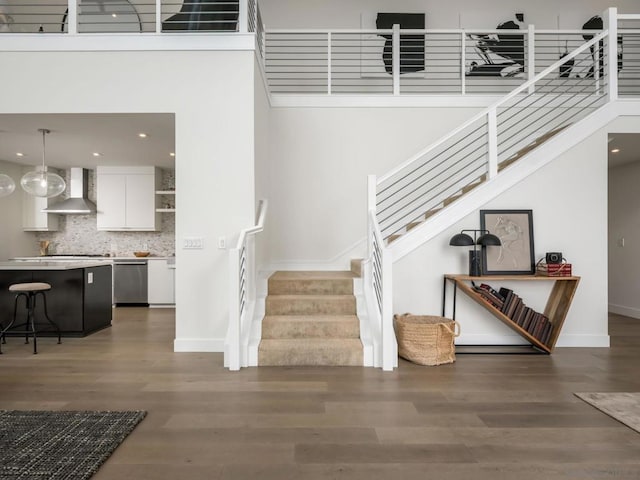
pixel 29 291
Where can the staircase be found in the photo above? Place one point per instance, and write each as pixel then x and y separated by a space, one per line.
pixel 310 319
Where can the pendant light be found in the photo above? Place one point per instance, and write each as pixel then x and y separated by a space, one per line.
pixel 7 185
pixel 40 182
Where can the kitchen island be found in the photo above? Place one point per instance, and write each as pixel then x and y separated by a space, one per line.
pixel 79 301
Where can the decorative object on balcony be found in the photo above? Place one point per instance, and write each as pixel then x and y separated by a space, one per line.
pixel 411 46
pixel 7 185
pixel 515 255
pixel 40 182
pixel 485 239
pixel 509 46
pixel 5 19
pixel 101 16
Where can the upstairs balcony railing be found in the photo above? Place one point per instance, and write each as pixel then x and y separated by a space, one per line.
pixel 129 16
pixel 433 62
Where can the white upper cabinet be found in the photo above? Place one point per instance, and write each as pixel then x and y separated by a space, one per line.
pixel 126 198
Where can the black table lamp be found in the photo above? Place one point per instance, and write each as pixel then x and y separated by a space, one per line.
pixel 464 240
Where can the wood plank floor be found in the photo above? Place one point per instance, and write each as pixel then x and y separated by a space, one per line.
pixel 484 417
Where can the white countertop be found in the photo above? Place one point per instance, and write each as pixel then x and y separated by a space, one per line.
pixel 64 258
pixel 57 265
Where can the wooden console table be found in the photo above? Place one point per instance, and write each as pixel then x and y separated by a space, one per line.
pixel 556 309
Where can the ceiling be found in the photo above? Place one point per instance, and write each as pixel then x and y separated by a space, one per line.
pixel 75 137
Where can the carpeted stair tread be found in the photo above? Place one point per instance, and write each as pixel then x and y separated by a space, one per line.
pixel 310 351
pixel 310 305
pixel 311 283
pixel 310 326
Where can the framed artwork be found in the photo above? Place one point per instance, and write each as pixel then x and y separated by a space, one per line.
pixel 497 55
pixel 516 255
pixel 376 50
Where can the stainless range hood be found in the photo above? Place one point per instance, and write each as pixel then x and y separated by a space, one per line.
pixel 78 201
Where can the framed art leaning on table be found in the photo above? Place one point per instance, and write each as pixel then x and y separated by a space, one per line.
pixel 515 255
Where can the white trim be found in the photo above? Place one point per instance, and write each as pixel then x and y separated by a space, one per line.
pixel 624 310
pixel 600 341
pixel 339 262
pixel 408 101
pixel 90 42
pixel 198 345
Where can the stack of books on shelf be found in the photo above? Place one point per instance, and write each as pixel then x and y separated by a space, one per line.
pixel 553 269
pixel 512 306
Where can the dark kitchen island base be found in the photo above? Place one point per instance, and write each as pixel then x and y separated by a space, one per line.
pixel 79 301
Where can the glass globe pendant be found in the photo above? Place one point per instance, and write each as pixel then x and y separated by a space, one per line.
pixel 40 182
pixel 7 185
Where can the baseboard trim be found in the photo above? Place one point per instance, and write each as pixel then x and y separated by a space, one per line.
pixel 565 340
pixel 626 311
pixel 198 345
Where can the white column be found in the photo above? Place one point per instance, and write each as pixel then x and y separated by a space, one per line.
pixel 389 344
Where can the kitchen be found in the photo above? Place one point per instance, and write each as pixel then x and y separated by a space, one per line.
pixel 132 157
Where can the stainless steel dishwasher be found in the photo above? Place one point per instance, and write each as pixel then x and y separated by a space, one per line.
pixel 130 281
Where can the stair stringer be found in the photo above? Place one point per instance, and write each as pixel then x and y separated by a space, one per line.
pixel 510 176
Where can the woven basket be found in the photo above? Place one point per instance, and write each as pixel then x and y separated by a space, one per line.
pixel 426 339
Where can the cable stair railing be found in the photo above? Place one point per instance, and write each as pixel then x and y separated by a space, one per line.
pixel 472 155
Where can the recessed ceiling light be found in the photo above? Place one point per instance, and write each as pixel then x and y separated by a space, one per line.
pixel 19 154
pixel 172 154
pixel 114 15
pixel 142 135
pixel 615 150
pixel 97 154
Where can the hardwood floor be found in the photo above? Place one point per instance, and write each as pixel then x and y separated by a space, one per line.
pixel 483 417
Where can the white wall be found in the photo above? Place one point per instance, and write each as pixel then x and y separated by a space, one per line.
pixel 624 222
pixel 569 203
pixel 262 165
pixel 12 238
pixel 456 14
pixel 211 94
pixel 319 161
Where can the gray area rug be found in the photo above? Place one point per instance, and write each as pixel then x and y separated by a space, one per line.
pixel 60 445
pixel 624 407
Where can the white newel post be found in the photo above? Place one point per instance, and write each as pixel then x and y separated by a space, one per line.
pixel 492 143
pixel 72 17
pixel 395 58
pixel 610 21
pixel 234 311
pixel 389 345
pixel 531 56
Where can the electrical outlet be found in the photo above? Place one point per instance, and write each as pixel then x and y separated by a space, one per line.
pixel 193 243
pixel 90 277
pixel 222 243
pixel 621 242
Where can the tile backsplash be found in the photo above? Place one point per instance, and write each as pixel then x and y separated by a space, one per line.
pixel 79 234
